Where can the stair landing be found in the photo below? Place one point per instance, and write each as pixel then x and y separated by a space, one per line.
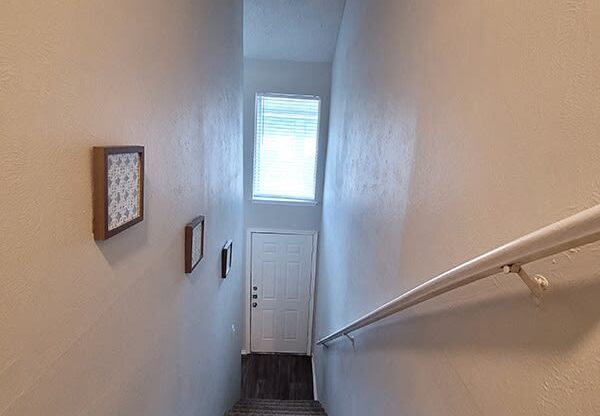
pixel 277 377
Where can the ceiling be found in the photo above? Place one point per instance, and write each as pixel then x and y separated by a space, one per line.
pixel 292 30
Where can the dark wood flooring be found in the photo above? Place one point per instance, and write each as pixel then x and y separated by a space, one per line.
pixel 277 376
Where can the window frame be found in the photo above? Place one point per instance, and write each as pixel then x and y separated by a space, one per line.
pixel 278 199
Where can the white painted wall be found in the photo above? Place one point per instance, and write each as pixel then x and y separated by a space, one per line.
pixel 117 327
pixel 455 127
pixel 291 30
pixel 288 78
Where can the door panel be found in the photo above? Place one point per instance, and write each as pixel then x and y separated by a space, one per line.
pixel 281 273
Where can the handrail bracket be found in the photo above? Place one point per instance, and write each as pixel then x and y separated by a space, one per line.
pixel 537 284
pixel 574 231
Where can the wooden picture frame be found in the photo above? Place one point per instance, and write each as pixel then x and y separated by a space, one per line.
pixel 226 258
pixel 194 243
pixel 118 189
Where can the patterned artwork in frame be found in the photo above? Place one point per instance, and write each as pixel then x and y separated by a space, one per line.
pixel 123 189
pixel 194 243
pixel 226 257
pixel 118 189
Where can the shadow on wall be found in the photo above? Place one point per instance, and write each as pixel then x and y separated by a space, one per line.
pixel 122 246
pixel 509 322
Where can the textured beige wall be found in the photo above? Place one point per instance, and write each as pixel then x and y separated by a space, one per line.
pixel 116 327
pixel 457 126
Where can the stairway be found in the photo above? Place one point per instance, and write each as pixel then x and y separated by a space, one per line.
pixel 268 407
pixel 276 385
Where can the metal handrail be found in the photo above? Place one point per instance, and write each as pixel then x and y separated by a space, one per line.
pixel 574 231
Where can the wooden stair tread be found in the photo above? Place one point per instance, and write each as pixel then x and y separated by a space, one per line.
pixel 270 407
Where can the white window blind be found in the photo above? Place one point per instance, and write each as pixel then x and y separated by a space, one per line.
pixel 285 150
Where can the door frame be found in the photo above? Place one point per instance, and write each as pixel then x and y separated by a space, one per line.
pixel 246 345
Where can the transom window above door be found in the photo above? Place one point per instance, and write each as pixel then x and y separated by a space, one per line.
pixel 285 147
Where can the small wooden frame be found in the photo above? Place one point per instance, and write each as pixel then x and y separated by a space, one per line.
pixel 194 243
pixel 118 189
pixel 226 258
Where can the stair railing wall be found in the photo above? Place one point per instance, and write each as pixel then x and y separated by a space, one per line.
pixel 574 231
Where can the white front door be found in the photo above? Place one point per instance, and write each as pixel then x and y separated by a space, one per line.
pixel 280 292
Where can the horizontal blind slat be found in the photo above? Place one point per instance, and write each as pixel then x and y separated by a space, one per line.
pixel 286 147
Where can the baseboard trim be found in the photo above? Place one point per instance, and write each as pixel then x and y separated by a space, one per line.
pixel 314 377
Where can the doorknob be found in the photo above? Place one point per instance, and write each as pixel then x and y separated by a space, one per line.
pixel 254 304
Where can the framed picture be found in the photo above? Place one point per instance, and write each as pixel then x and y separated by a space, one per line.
pixel 118 189
pixel 226 256
pixel 194 243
